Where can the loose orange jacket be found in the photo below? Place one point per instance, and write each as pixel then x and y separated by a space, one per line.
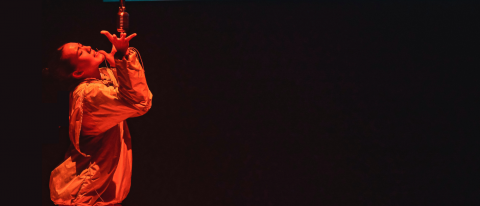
pixel 98 165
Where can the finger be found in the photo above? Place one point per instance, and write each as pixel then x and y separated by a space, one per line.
pixel 105 54
pixel 107 34
pixel 113 49
pixel 122 36
pixel 131 36
pixel 115 38
pixel 102 52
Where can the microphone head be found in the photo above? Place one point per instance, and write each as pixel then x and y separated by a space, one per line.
pixel 122 21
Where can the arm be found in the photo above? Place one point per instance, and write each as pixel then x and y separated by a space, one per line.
pixel 105 106
pixel 133 86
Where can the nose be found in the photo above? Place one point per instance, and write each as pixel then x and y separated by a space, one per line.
pixel 88 48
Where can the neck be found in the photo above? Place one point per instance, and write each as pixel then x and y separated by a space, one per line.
pixel 97 75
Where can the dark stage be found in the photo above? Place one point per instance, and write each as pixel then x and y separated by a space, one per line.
pixel 292 103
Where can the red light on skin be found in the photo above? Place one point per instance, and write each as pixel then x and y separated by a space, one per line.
pixel 84 59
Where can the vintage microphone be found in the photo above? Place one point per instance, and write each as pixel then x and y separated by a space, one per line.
pixel 122 18
pixel 123 22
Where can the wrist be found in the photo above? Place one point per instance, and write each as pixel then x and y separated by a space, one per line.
pixel 119 55
pixel 122 53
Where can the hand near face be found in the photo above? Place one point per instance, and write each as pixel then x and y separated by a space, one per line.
pixel 122 43
pixel 109 56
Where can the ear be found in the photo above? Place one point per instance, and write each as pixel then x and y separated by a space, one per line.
pixel 77 74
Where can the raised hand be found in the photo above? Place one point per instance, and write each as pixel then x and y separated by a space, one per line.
pixel 122 43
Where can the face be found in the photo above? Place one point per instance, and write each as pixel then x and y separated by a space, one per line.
pixel 85 60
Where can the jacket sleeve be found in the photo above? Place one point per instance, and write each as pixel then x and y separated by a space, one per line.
pixel 106 106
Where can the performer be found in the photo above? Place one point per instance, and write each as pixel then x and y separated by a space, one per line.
pixel 98 165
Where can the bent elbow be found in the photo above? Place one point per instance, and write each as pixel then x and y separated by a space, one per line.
pixel 143 107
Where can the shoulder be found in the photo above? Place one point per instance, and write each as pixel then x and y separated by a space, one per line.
pixel 97 91
pixel 132 53
pixel 78 91
pixel 88 87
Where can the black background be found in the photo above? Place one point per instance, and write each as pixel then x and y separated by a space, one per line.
pixel 293 103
